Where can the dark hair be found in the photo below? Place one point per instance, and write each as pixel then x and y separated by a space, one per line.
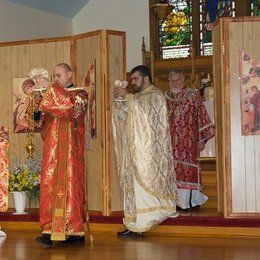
pixel 65 66
pixel 143 70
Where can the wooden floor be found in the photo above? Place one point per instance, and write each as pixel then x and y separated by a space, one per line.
pixel 22 245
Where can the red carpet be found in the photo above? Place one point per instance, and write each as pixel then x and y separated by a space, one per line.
pixel 209 221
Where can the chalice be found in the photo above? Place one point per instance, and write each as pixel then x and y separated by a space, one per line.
pixel 120 84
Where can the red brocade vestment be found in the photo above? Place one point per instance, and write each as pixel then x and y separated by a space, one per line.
pixel 4 170
pixel 62 187
pixel 190 128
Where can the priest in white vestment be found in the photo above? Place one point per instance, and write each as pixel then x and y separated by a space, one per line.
pixel 143 154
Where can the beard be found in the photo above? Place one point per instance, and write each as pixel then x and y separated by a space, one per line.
pixel 176 88
pixel 139 89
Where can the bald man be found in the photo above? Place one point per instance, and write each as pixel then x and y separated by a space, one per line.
pixel 62 75
pixel 62 197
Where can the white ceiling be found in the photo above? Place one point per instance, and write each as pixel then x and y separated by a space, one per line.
pixel 66 8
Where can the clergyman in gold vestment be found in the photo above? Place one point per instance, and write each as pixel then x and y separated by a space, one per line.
pixel 143 154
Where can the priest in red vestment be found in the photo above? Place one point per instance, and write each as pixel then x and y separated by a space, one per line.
pixel 190 128
pixel 4 172
pixel 62 188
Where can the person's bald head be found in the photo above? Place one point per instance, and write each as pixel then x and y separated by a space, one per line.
pixel 62 74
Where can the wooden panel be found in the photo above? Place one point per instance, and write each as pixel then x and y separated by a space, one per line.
pixel 13 70
pixel 242 147
pixel 239 155
pixel 237 141
pixel 108 50
pixel 16 60
pixel 37 55
pixel 50 56
pixel 116 67
pixel 249 141
pixel 88 49
pixel 218 98
pixel 67 53
pixel 256 161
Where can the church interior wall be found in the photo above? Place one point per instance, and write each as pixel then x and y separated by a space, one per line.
pixel 131 17
pixel 18 23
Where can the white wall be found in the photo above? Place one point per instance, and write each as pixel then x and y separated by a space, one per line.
pixel 18 22
pixel 130 16
pixel 23 23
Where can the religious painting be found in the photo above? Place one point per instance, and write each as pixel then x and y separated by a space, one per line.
pixel 4 144
pixel 22 88
pixel 250 94
pixel 89 84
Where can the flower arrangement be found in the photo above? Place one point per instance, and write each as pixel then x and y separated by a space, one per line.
pixel 206 89
pixel 26 177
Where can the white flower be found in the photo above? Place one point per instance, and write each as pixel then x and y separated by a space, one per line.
pixel 205 81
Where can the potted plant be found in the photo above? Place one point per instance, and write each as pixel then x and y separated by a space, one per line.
pixel 24 182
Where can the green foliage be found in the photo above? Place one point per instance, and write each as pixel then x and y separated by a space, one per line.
pixel 26 177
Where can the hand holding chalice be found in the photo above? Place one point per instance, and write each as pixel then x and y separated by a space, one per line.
pixel 120 90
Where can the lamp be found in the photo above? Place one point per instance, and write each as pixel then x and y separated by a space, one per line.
pixel 162 9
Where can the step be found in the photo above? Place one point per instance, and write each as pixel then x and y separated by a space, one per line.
pixel 209 191
pixel 208 174
pixel 209 183
pixel 209 180
pixel 211 203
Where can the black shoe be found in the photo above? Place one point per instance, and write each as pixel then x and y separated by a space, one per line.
pixel 178 208
pixel 71 240
pixel 196 207
pixel 128 233
pixel 45 240
pixel 188 209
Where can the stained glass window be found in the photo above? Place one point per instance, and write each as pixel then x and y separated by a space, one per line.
pixel 175 31
pixel 255 7
pixel 210 10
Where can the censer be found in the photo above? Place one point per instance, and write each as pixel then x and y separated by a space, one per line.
pixel 30 147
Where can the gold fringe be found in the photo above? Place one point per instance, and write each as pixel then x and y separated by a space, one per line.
pixel 58 237
pixel 70 233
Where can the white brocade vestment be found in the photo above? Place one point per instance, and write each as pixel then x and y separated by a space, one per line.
pixel 144 159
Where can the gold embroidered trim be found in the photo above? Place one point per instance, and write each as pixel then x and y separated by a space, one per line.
pixel 144 229
pixel 59 212
pixel 129 218
pixel 69 233
pixel 155 194
pixel 140 211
